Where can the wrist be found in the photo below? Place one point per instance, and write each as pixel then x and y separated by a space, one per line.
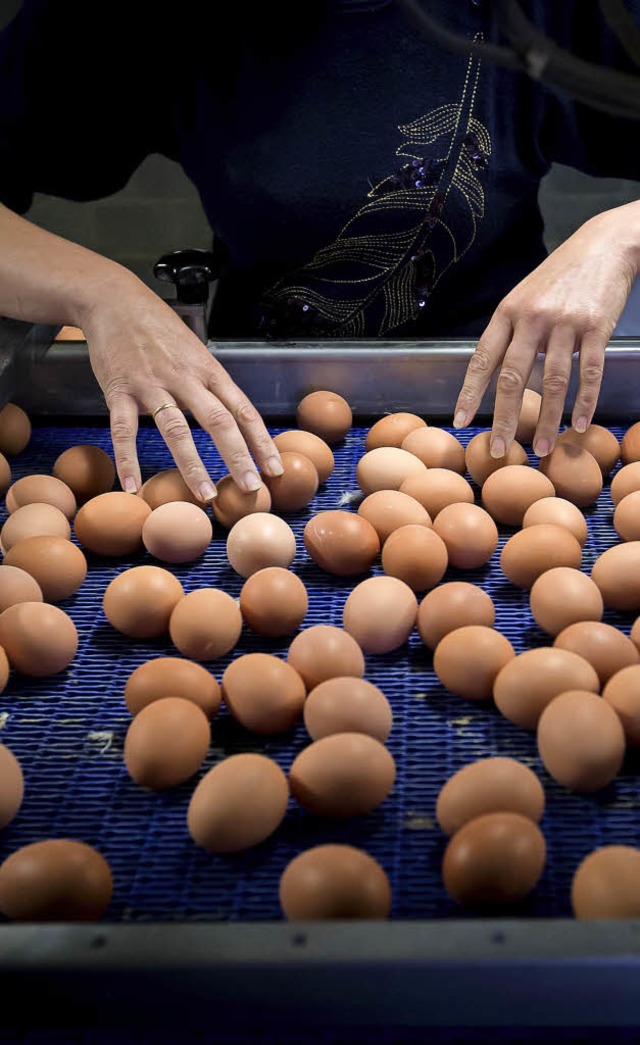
pixel 106 283
pixel 622 228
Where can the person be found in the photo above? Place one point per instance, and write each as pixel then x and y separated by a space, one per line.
pixel 361 181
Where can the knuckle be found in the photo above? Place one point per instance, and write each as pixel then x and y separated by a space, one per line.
pixel 555 383
pixel 219 420
pixel 176 429
pixel 122 431
pixel 246 414
pixel 480 362
pixel 510 381
pixel 591 374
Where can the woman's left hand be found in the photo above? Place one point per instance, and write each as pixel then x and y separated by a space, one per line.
pixel 570 303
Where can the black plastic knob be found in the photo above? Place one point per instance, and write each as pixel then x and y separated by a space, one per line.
pixel 191 271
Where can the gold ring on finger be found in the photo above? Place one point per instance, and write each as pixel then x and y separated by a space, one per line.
pixel 163 406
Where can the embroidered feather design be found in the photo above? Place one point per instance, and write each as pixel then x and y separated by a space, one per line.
pixel 378 273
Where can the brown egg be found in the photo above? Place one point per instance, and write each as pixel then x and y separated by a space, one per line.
pixel 469 533
pixel 205 624
pixel 263 693
pixel 525 686
pixel 326 414
pixel 238 804
pixel 34 520
pixel 380 613
pixel 38 639
pixel 634 634
pixel 87 470
pixel 599 441
pixel 5 475
pixel 260 540
pixel 334 882
pixel 581 741
pixel 563 596
pixel 341 542
pixel 415 555
pixel 58 880
pixel 606 884
pixel 436 448
pixel 574 472
pixel 55 563
pixel 297 485
pixel 530 552
pixel 177 532
pixel 480 464
pixel 15 430
pixel 139 602
pixel 274 602
pixel 388 510
pixel 344 775
pixel 166 743
pixel 556 511
pixel 528 416
pixel 43 489
pixel 630 446
pixel 625 481
pixel 604 646
pixel 392 429
pixel 491 785
pixel 511 490
pixel 167 485
pixel 11 786
pixel 617 574
pixel 4 670
pixel 622 693
pixel 325 652
pixel 494 860
pixel 17 586
pixel 450 606
pixel 438 488
pixel 386 469
pixel 468 659
pixel 626 520
pixel 312 446
pixel 111 524
pixel 347 705
pixel 233 504
pixel 172 677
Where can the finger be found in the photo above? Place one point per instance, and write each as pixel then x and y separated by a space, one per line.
pixel 555 383
pixel 488 353
pixel 174 429
pixel 123 416
pixel 592 351
pixel 515 371
pixel 248 421
pixel 215 418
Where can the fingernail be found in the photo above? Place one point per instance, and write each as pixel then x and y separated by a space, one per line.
pixel 581 424
pixel 207 492
pixel 497 448
pixel 273 467
pixel 460 419
pixel 130 485
pixel 541 449
pixel 250 482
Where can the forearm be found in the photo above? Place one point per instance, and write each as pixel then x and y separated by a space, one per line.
pixel 621 231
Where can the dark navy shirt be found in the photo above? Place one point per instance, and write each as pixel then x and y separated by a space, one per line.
pixel 360 180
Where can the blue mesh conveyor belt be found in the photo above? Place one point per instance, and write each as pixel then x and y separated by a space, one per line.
pixel 68 733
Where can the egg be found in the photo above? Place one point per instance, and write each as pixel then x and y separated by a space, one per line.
pixel 312 446
pixel 634 634
pixel 274 602
pixel 177 532
pixel 297 485
pixel 43 489
pixel 563 596
pixel 139 601
pixel 622 693
pixel 15 430
pixel 392 429
pixel 34 520
pixel 625 481
pixel 599 441
pixel 343 775
pixel 4 670
pixel 436 448
pixel 263 693
pixel 165 486
pixel 55 563
pixel 511 490
pixel 205 624
pixel 415 555
pixel 238 804
pixel 232 503
pixel 606 648
pixel 39 639
pixel 479 462
pixel 380 613
pixel 11 786
pixel 323 652
pixel 626 517
pixel 469 534
pixel 87 470
pixel 111 524
pixel 556 511
pixel 438 488
pixel 172 677
pixel 616 572
pixel 490 785
pixel 581 741
pixel 388 510
pixel 527 684
pixel 530 552
pixel 450 606
pixel 326 414
pixel 334 882
pixel 5 475
pixel 166 743
pixel 528 416
pixel 17 586
pixel 56 880
pixel 494 860
pixel 260 540
pixel 574 472
pixel 606 884
pixel 340 542
pixel 386 469
pixel 630 446
pixel 468 659
pixel 347 705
